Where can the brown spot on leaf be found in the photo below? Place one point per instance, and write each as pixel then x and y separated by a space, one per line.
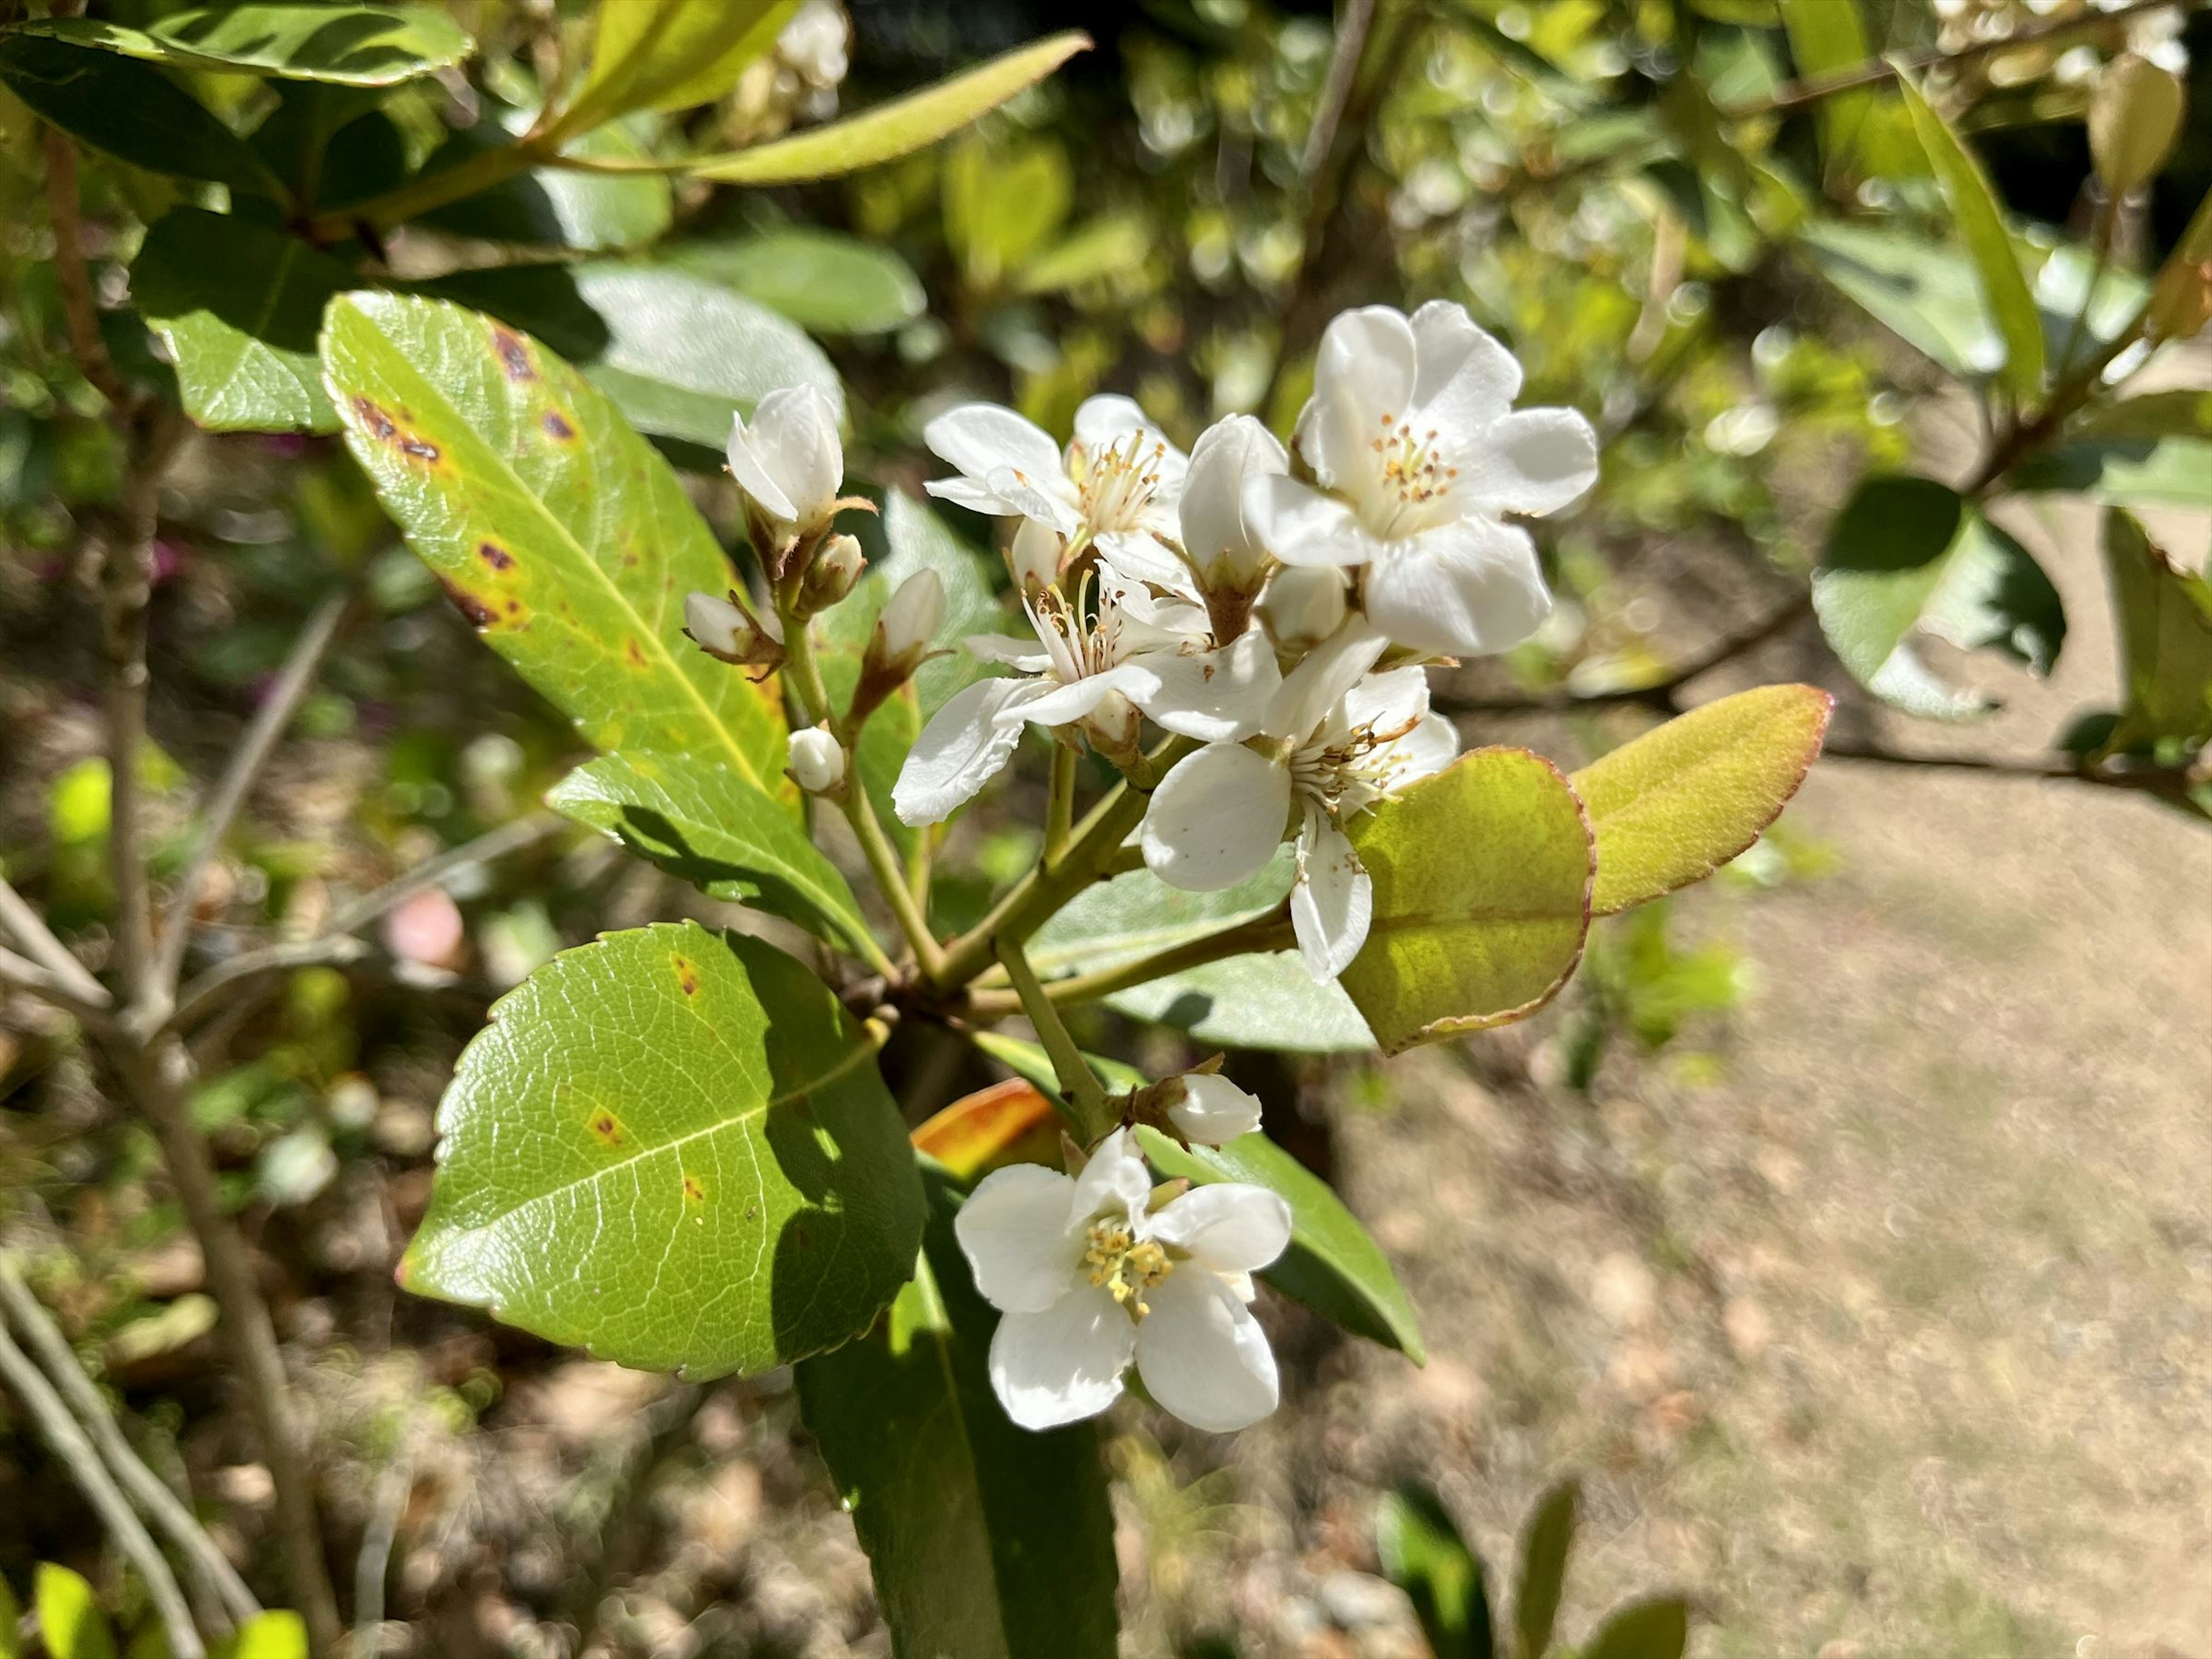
pixel 421 448
pixel 686 976
pixel 557 424
pixel 496 555
pixel 514 354
pixel 607 1128
pixel 378 424
pixel 634 652
pixel 694 1189
pixel 467 603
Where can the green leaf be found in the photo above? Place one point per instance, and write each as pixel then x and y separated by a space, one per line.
pixel 1674 805
pixel 2151 451
pixel 1259 1002
pixel 1332 1265
pixel 1908 553
pixel 1657 1629
pixel 239 305
pixel 888 130
pixel 349 46
pixel 670 54
pixel 1423 1554
pixel 1925 294
pixel 700 821
pixel 278 1635
pixel 1004 204
pixel 2165 617
pixel 1544 1547
pixel 826 283
pixel 683 354
pixel 127 109
pixel 986 1540
pixel 1981 225
pixel 1110 245
pixel 11 1615
pixel 1460 943
pixel 69 1625
pixel 1826 36
pixel 558 207
pixel 671 1147
pixel 555 528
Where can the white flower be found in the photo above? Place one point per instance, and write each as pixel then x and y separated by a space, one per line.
pixel 813 44
pixel 1213 1111
pixel 1117 485
pixel 817 760
pixel 1096 670
pixel 727 629
pixel 790 461
pixel 1219 538
pixel 1090 1277
pixel 1419 453
pixel 1328 744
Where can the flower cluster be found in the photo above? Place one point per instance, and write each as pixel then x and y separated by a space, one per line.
pixel 1271 605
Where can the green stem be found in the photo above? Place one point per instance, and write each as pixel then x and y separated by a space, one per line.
pixel 1271 931
pixel 1060 804
pixel 419 195
pixel 2102 236
pixel 1085 1104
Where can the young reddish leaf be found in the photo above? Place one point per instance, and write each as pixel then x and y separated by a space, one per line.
pixel 1674 805
pixel 1009 1122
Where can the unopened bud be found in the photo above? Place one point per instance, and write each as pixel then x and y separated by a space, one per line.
pixel 723 628
pixel 2134 116
pixel 1033 559
pixel 837 569
pixel 1114 728
pixel 1213 1111
pixel 911 618
pixel 1304 605
pixel 817 761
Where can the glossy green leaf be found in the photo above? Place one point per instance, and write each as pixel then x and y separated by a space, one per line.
pixel 683 355
pixel 1423 1554
pixel 1333 1266
pixel 826 283
pixel 129 110
pixel 986 1541
pixel 2151 451
pixel 333 146
pixel 70 1622
pixel 699 820
pixel 558 207
pixel 240 305
pixel 2165 617
pixel 671 1147
pixel 888 130
pixel 1460 943
pixel 1672 807
pixel 1256 1001
pixel 1544 1545
pixel 1657 1629
pixel 349 46
pixel 278 1634
pixel 1981 224
pixel 558 531
pixel 669 54
pixel 1908 554
pixel 1925 294
pixel 1827 37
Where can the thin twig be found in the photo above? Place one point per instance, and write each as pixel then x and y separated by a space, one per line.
pixel 1086 1100
pixel 21 973
pixel 1336 90
pixel 80 310
pixel 217 1581
pixel 2170 783
pixel 1271 931
pixel 246 761
pixel 37 940
pixel 374 1564
pixel 61 1432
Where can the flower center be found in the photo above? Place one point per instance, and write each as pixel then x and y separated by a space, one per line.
pixel 1118 481
pixel 1078 647
pixel 1124 1266
pixel 1412 477
pixel 1346 770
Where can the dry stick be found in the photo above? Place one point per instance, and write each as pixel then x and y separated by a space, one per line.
pixel 246 761
pixel 2170 783
pixel 62 1432
pixel 79 314
pixel 21 973
pixel 216 1579
pixel 37 940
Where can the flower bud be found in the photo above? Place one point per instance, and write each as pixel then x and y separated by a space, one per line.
pixel 837 569
pixel 1213 1111
pixel 1033 559
pixel 817 761
pixel 2134 116
pixel 1304 605
pixel 911 618
pixel 1220 541
pixel 789 462
pixel 1114 728
pixel 725 629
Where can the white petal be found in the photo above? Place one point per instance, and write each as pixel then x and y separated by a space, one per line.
pixel 1115 1183
pixel 1311 690
pixel 749 465
pixel 980 438
pixel 1047 497
pixel 1203 1356
pixel 975 497
pixel 1384 702
pixel 1063 704
pixel 1334 901
pixel 1365 371
pixel 1300 525
pixel 1472 589
pixel 1033 558
pixel 1013 652
pixel 1216 696
pixel 1014 1231
pixel 1065 1364
pixel 1427 749
pixel 963 749
pixel 795 433
pixel 1140 556
pixel 1465 379
pixel 1230 1227
pixel 1216 818
pixel 1534 460
pixel 1211 514
pixel 1213 1110
pixel 1101 420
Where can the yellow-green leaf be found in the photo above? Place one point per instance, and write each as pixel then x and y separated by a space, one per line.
pixel 2165 616
pixel 70 1623
pixel 1482 888
pixel 670 54
pixel 1674 805
pixel 1981 223
pixel 280 1634
pixel 1825 38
